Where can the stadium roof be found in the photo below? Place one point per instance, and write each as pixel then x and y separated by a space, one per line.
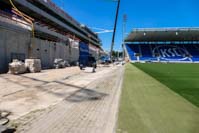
pixel 163 35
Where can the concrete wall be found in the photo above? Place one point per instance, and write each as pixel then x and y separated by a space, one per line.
pixel 47 51
pixel 18 43
pixel 12 43
pixel 74 55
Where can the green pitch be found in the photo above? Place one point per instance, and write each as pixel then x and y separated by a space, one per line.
pixel 181 78
pixel 157 101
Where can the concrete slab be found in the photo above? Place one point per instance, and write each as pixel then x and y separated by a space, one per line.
pixel 90 109
pixel 80 100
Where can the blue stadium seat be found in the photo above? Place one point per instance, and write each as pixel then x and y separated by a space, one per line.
pixel 166 52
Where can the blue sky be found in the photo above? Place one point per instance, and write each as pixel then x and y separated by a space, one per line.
pixel 140 14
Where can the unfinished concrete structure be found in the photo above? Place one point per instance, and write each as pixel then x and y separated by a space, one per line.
pixel 48 33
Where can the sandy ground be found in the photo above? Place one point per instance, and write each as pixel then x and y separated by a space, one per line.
pixel 29 96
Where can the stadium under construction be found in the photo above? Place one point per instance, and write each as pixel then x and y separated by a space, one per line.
pixel 40 29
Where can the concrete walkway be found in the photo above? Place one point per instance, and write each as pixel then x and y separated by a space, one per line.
pixel 88 103
pixel 147 106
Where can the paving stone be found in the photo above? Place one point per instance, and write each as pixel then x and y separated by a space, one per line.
pixel 84 115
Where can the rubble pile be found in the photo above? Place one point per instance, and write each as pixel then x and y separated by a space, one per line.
pixel 17 67
pixel 60 63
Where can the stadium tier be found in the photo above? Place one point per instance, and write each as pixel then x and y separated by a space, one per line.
pixel 155 52
pixel 163 45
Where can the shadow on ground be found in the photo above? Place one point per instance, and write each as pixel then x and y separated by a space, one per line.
pixel 43 87
pixel 85 95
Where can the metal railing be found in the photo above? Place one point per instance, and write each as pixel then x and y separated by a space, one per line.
pixel 13 19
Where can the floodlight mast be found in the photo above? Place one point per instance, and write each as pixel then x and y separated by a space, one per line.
pixel 123 35
pixel 115 27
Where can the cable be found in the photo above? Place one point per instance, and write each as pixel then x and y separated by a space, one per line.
pixel 25 17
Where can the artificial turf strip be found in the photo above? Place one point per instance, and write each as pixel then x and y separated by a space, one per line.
pixel 148 106
pixel 181 78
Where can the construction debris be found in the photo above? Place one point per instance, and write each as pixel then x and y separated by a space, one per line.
pixel 17 67
pixel 4 122
pixel 5 129
pixel 33 65
pixel 60 63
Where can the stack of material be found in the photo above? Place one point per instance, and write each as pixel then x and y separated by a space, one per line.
pixel 33 65
pixel 17 67
pixel 60 63
pixel 67 64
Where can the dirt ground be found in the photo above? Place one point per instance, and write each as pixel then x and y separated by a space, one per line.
pixel 35 98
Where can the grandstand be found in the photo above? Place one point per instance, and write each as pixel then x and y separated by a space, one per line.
pixel 163 45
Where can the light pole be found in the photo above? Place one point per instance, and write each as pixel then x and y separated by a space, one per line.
pixel 115 27
pixel 123 35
